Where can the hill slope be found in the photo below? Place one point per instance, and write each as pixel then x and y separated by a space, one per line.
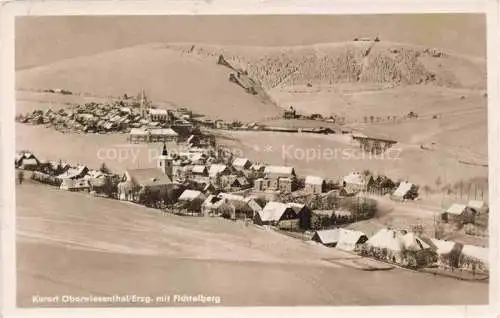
pixel 364 62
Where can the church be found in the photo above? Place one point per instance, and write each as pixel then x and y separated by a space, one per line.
pixel 153 178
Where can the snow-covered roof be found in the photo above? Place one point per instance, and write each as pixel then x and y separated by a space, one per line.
pixel 477 252
pixel 189 195
pixel 413 243
pixel 163 132
pixel 138 131
pixel 389 239
pixel 348 239
pixel 355 178
pixel 456 208
pixel 158 111
pixel 330 236
pixel 273 211
pixel 475 204
pixel 403 189
pixel 443 247
pixel 215 169
pixel 279 170
pixel 240 162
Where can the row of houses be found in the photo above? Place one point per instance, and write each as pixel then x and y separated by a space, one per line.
pixel 406 248
pixel 288 216
pixel 66 176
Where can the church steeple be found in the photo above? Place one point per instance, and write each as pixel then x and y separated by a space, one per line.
pixel 164 151
pixel 165 162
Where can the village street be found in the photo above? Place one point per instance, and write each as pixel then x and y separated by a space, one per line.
pixel 73 244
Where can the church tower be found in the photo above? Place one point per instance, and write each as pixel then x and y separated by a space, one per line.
pixel 165 162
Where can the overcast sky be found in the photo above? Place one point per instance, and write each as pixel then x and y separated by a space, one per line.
pixel 42 40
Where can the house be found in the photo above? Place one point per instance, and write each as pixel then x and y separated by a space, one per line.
pixel 417 251
pixel 303 214
pixel 260 184
pixel 459 213
pixel 281 178
pixel 387 244
pixel 191 201
pixel 191 195
pixel 138 135
pixel 314 185
pixel 274 172
pixel 290 113
pixel 405 191
pixel 159 115
pixel 134 180
pixel 475 258
pixel 400 247
pixel 356 182
pixel 77 172
pixel 241 164
pixel 349 240
pixel 26 161
pixel 212 206
pixel 276 213
pixel 285 185
pixel 75 185
pixel 153 135
pixel 448 253
pixel 243 207
pixel 97 180
pixel 328 238
pixel 163 135
pixel 284 215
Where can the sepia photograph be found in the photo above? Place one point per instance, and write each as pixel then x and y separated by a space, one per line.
pixel 251 160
